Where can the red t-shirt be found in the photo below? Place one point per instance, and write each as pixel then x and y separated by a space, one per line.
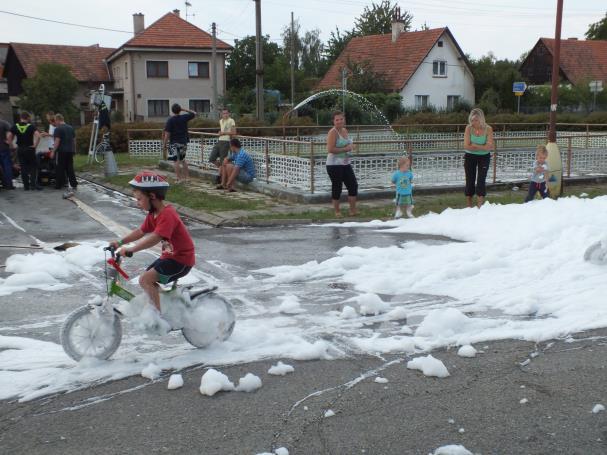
pixel 169 226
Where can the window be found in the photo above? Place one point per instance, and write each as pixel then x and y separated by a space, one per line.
pixel 117 72
pixel 157 69
pixel 158 108
pixel 440 44
pixel 126 70
pixel 421 101
pixel 200 105
pixel 439 68
pixel 452 100
pixel 198 69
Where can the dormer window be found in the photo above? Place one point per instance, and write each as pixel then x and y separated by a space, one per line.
pixel 439 68
pixel 440 43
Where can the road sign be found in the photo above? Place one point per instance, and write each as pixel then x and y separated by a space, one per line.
pixel 519 87
pixel 596 86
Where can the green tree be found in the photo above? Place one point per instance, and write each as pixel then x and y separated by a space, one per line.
pixel 52 89
pixel 377 19
pixel 312 61
pixel 497 75
pixel 336 44
pixel 295 40
pixel 240 71
pixel 598 30
pixel 363 78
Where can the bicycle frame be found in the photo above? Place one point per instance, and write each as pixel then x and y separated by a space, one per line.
pixel 113 281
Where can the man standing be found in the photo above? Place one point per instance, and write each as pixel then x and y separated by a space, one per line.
pixel 64 147
pixel 227 129
pixel 6 163
pixel 176 136
pixel 237 167
pixel 28 138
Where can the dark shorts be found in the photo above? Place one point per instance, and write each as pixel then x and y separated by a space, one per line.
pixel 177 151
pixel 219 152
pixel 169 270
pixel 244 177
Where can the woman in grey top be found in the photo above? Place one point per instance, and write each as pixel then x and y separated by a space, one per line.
pixel 339 148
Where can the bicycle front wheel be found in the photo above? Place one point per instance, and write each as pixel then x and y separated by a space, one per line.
pixel 87 333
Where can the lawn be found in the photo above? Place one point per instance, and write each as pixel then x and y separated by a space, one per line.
pixel 186 196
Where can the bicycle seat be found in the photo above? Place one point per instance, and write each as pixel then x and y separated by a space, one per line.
pixel 195 292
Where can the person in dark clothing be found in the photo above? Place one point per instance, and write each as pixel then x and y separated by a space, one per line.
pixel 64 147
pixel 6 162
pixel 176 136
pixel 28 138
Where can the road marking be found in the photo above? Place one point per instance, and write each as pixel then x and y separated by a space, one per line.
pixel 110 224
pixel 10 220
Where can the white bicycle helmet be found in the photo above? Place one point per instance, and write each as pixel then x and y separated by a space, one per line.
pixel 151 182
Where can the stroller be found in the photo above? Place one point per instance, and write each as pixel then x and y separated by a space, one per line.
pixel 46 168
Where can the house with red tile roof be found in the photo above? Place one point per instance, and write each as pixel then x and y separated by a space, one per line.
pixel 85 63
pixel 427 68
pixel 168 62
pixel 581 61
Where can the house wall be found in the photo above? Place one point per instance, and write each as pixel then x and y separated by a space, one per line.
pixel 179 88
pixel 459 81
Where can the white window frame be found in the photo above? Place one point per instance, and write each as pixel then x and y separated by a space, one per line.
pixel 202 100
pixel 455 99
pixel 168 76
pixel 161 115
pixel 437 66
pixel 419 101
pixel 198 76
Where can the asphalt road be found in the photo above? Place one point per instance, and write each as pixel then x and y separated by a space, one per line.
pixel 478 406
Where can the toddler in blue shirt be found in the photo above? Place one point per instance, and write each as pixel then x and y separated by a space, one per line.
pixel 404 188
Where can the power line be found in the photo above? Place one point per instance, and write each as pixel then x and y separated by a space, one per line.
pixel 65 23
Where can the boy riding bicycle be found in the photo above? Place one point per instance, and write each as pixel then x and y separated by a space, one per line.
pixel 162 224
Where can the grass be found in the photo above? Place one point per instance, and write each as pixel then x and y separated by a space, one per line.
pixel 81 162
pixel 198 200
pixel 431 203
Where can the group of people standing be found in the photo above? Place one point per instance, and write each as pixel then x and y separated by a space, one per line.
pixel 60 148
pixel 478 145
pixel 233 163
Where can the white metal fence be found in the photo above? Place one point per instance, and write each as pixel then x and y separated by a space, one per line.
pixel 437 158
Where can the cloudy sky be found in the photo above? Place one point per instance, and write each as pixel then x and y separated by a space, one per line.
pixel 505 27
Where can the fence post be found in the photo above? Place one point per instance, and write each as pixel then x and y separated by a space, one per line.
pixel 312 167
pixel 267 157
pixel 587 134
pixel 495 161
pixel 128 142
pixel 569 156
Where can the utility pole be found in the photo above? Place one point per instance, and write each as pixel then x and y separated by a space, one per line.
pixel 344 87
pixel 555 182
pixel 258 61
pixel 214 68
pixel 555 72
pixel 292 62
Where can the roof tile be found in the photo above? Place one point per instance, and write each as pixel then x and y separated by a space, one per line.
pixel 581 59
pixel 85 62
pixel 173 31
pixel 397 61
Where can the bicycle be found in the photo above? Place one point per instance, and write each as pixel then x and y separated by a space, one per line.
pixel 95 329
pixel 103 147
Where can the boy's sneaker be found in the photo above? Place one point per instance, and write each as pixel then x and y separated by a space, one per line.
pixel 410 212
pixel 398 213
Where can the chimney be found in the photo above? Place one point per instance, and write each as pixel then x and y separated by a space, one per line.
pixel 176 12
pixel 398 25
pixel 138 24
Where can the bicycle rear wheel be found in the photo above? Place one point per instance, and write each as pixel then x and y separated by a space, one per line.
pixel 210 319
pixel 87 333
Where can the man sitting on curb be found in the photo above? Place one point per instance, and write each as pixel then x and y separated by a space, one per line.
pixel 236 167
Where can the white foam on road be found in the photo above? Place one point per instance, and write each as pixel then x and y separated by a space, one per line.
pixel 518 274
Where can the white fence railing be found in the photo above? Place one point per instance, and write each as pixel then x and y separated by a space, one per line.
pixel 437 160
